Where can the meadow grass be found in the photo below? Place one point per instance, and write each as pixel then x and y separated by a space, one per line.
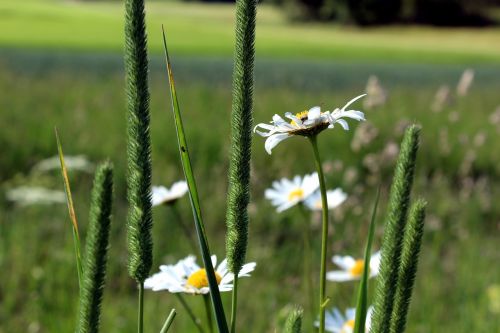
pixel 85 99
pixel 207 29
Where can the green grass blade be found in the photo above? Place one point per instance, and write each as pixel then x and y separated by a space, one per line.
pixel 195 203
pixel 362 305
pixel 169 321
pixel 71 210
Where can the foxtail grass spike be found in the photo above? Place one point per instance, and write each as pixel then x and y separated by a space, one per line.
pixel 399 202
pixel 96 250
pixel 71 211
pixel 241 136
pixel 139 222
pixel 362 306
pixel 217 306
pixel 294 321
pixel 408 266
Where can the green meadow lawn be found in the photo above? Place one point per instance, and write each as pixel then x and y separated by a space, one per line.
pixel 60 65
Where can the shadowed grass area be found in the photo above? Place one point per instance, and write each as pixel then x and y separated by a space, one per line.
pixel 208 29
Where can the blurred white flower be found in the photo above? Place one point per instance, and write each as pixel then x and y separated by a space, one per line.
pixel 187 277
pixel 465 82
pixel 352 269
pixel 306 123
pixel 162 195
pixel 441 99
pixel 336 322
pixel 286 193
pixel 77 162
pixel 33 195
pixel 334 198
pixel 376 94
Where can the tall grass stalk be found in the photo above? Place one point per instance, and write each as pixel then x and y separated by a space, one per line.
pixel 241 143
pixel 399 202
pixel 194 199
pixel 71 211
pixel 96 250
pixel 169 321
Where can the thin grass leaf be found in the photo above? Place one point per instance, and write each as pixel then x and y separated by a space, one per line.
pixel 169 321
pixel 362 305
pixel 71 210
pixel 195 203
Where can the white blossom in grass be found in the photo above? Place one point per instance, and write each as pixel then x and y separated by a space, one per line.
pixel 334 198
pixel 337 322
pixel 306 123
pixel 160 195
pixel 187 277
pixel 352 269
pixel 34 195
pixel 286 193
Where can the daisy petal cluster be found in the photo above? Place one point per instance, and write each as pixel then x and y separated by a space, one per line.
pixel 187 277
pixel 334 198
pixel 286 193
pixel 306 123
pixel 337 322
pixel 160 195
pixel 352 269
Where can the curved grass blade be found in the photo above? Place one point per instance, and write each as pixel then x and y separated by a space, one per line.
pixel 362 305
pixel 195 202
pixel 169 321
pixel 71 210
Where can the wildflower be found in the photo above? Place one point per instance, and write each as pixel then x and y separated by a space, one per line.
pixel 336 322
pixel 163 196
pixel 32 195
pixel 334 198
pixel 306 123
pixel 352 269
pixel 187 277
pixel 286 193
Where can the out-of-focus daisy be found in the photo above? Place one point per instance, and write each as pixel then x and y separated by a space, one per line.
pixel 286 193
pixel 336 322
pixel 163 196
pixel 306 123
pixel 76 162
pixel 334 199
pixel 187 277
pixel 33 195
pixel 352 269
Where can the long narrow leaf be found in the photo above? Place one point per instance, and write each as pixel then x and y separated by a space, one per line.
pixel 361 307
pixel 195 203
pixel 169 321
pixel 71 210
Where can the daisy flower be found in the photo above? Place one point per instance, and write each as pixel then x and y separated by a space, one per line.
pixel 160 195
pixel 286 193
pixel 334 198
pixel 352 269
pixel 306 123
pixel 336 322
pixel 187 277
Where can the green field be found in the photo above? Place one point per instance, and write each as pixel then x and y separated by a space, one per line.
pixel 61 65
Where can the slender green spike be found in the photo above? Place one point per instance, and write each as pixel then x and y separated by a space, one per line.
pixel 399 202
pixel 140 244
pixel 71 211
pixel 195 202
pixel 408 266
pixel 294 321
pixel 362 306
pixel 96 250
pixel 169 321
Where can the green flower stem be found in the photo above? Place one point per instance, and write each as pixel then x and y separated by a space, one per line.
pixel 169 321
pixel 191 315
pixel 206 300
pixel 234 302
pixel 140 312
pixel 324 235
pixel 307 263
pixel 188 232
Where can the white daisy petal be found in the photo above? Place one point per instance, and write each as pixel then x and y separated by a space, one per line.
pixel 273 141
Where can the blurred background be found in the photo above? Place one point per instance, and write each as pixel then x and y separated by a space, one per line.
pixel 433 62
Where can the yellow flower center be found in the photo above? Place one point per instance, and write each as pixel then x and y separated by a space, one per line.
pixel 296 194
pixel 348 326
pixel 358 267
pixel 301 115
pixel 199 279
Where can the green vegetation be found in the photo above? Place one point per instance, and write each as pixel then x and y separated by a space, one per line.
pixel 208 29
